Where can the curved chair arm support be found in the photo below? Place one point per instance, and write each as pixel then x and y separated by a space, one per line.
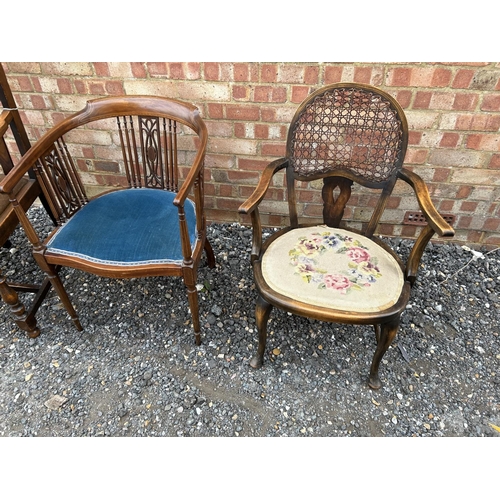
pixel 188 184
pixel 256 235
pixel 179 201
pixel 251 205
pixel 416 254
pixel 195 169
pixel 28 228
pixel 434 219
pixel 435 223
pixel 194 179
pixel 260 191
pixel 185 243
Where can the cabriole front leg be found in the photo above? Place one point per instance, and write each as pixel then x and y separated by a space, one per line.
pixel 386 334
pixel 262 312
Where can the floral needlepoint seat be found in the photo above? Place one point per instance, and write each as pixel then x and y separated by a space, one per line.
pixel 333 268
pixel 341 134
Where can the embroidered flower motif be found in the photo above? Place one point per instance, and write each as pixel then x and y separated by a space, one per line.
pixel 337 282
pixel 305 267
pixel 310 246
pixel 332 241
pixel 362 270
pixel 358 255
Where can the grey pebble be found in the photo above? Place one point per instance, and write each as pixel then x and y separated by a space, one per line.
pixel 127 368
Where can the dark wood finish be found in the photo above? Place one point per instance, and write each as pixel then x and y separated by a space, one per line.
pixel 11 118
pixel 148 129
pixel 26 190
pixel 333 208
pixel 343 133
pixel 17 310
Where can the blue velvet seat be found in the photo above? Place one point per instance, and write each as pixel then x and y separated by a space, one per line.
pixel 126 228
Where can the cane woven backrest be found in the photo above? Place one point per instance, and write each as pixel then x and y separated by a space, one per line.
pixel 350 128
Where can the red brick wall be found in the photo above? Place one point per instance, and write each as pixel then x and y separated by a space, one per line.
pixel 453 111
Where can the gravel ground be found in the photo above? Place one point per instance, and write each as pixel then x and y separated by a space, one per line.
pixel 135 370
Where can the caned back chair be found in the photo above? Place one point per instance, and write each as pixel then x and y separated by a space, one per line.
pixel 342 133
pixel 152 225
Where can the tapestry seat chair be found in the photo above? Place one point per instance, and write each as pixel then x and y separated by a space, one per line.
pixel 342 133
pixel 152 225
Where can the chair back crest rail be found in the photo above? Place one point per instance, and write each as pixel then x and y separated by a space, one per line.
pixel 119 107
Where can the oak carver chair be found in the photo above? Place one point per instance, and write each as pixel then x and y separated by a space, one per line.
pixel 147 227
pixel 342 133
pixel 27 191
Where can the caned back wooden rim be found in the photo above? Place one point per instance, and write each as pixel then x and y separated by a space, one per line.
pixel 348 127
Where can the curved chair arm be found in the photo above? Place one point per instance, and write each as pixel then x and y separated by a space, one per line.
pixel 434 219
pixel 251 205
pixel 435 223
pixel 108 107
pixel 260 191
pixel 7 186
pixel 197 165
pixel 10 181
pixel 190 181
pixel 193 179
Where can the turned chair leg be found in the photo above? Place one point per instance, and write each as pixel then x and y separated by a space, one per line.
pixel 262 312
pixel 192 294
pixel 385 334
pixel 189 278
pixel 61 292
pixel 17 310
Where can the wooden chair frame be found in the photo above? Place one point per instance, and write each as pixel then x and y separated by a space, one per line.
pixel 338 178
pixel 60 183
pixel 27 191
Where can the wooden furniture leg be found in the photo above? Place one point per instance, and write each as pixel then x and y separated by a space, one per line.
pixel 24 320
pixel 262 312
pixel 26 192
pixel 385 334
